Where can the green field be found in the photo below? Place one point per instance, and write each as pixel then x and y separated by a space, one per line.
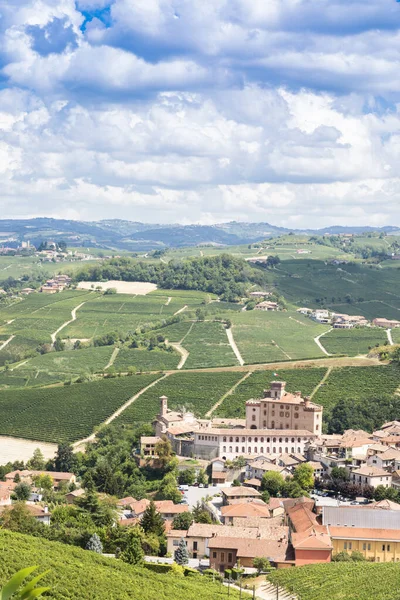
pixel 208 346
pixel 66 413
pixel 175 332
pixel 349 288
pixel 353 341
pixel 396 335
pixel 17 266
pixel 264 337
pixel 197 392
pixel 146 360
pixel 341 581
pixel 304 380
pixel 76 574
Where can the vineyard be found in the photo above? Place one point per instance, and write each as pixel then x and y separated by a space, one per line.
pixel 66 413
pixel 146 360
pixel 208 346
pixel 341 581
pixel 275 336
pixel 197 392
pixel 77 574
pixel 353 341
pixel 304 380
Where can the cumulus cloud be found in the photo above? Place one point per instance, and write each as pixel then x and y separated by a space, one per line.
pixel 284 111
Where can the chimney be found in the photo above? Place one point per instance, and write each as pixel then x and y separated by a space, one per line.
pixel 163 405
pixel 307 401
pixel 46 509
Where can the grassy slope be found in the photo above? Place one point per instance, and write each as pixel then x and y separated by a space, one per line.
pixel 146 360
pixel 77 574
pixel 208 346
pixel 341 581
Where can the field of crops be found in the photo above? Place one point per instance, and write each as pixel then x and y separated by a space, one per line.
pixel 304 380
pixel 146 360
pixel 353 341
pixel 175 332
pixel 350 288
pixel 66 413
pixel 264 337
pixel 197 392
pixel 76 574
pixel 396 335
pixel 358 383
pixel 341 581
pixel 208 346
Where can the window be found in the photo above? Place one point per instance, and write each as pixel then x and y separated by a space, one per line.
pixel 256 439
pixel 287 425
pixel 292 450
pixel 264 423
pixel 383 547
pixel 237 449
pixel 253 418
pixel 224 439
pixel 175 543
pixel 364 546
pixel 274 450
pixel 296 415
pixel 249 450
pixel 229 557
pixel 273 425
pixel 274 440
pixel 261 450
pixel 195 546
pixel 282 406
pixel 299 440
pixel 369 546
pixel 296 408
pixel 249 439
pixel 286 450
pixel 388 548
pixel 280 450
pixel 237 440
pixel 265 413
pixel 317 427
pixel 224 449
pixel 292 440
pixel 231 439
pixel 273 413
pixel 254 410
pixel 255 450
pixel 345 545
pixel 298 449
pixel 222 556
pixel 281 414
pixel 243 449
pixel 286 440
pixel 350 545
pixel 243 440
pixel 268 440
pixel 230 448
pixel 280 440
pixel 287 415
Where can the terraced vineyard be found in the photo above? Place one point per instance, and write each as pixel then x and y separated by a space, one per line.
pixel 197 392
pixel 175 332
pixel 208 346
pixel 341 581
pixel 67 413
pixel 304 380
pixel 146 360
pixel 353 341
pixel 396 335
pixel 275 336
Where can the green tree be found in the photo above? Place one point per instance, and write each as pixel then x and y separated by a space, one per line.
pixel 182 521
pixel 304 476
pixel 37 462
pixel 380 493
pixel 18 518
pixel 59 345
pixel 152 521
pixel 181 553
pixel 23 491
pixel 201 515
pixel 187 476
pixel 45 482
pixel 265 496
pixel 202 477
pixel 272 482
pixel 65 461
pixel 133 553
pixel 163 450
pixel 262 564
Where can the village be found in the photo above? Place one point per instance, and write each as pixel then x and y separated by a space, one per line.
pixel 343 487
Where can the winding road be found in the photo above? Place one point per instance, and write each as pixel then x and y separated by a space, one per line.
pixel 316 340
pixel 234 347
pixel 4 344
pixel 73 315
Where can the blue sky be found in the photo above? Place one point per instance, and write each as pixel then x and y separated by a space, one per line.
pixel 170 111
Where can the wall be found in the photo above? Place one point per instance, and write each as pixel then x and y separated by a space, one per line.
pixel 307 557
pixel 373 549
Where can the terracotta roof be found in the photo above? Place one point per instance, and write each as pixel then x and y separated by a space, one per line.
pixel 370 471
pixel 250 548
pixel 140 506
pixel 259 432
pixel 177 533
pixel 385 505
pixel 203 530
pixel 313 539
pixel 151 439
pixel 128 522
pixel 302 517
pixel 167 506
pixel 365 533
pixel 265 465
pixel 390 454
pixel 126 501
pixel 53 474
pixel 219 475
pixel 248 509
pixel 180 429
pixel 76 493
pixel 253 481
pixel 240 491
pixel 290 502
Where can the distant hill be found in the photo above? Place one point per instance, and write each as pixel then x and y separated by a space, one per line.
pixel 133 236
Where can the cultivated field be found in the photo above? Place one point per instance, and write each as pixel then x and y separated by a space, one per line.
pixel 208 346
pixel 275 336
pixel 353 341
pixel 66 413
pixel 138 288
pixel 340 581
pixel 146 360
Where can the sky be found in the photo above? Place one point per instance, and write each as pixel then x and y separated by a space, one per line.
pixel 201 111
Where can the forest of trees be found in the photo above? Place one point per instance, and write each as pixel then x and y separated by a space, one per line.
pixel 223 275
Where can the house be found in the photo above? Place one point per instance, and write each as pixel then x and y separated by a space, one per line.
pixel 259 294
pixel 6 490
pixel 371 475
pixel 321 316
pixel 148 445
pixel 41 514
pixel 71 497
pixel 26 291
pixel 387 323
pixel 343 321
pixel 245 494
pixel 218 477
pixel 304 311
pixel 258 467
pixel 27 475
pixel 126 503
pixel 310 540
pixel 267 305
pixel 168 510
pixel 226 552
pixel 249 510
pixel 389 460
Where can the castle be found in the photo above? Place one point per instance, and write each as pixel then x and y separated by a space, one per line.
pixel 280 422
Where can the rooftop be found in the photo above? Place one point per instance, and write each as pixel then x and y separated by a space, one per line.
pixel 233 492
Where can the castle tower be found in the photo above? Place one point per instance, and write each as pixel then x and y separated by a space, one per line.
pixel 163 405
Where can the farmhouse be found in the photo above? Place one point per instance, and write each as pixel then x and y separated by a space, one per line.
pixel 387 323
pixel 343 321
pixel 371 475
pixel 28 476
pixel 267 305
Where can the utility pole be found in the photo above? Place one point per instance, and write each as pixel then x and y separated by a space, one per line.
pixel 277 592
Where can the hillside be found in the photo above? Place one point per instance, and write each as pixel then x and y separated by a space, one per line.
pixel 75 573
pixel 132 235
